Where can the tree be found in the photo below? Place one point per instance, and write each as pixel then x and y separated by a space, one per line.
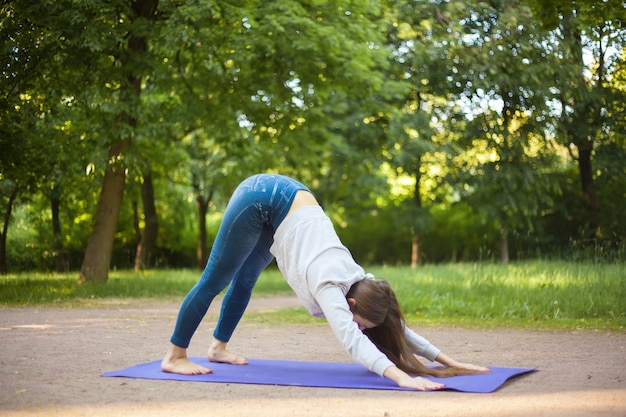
pixel 507 108
pixel 422 42
pixel 129 57
pixel 486 69
pixel 588 37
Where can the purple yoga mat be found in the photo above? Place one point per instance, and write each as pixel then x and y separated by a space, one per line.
pixel 313 374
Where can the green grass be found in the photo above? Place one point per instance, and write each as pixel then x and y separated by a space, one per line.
pixel 526 294
pixel 33 289
pixel 533 294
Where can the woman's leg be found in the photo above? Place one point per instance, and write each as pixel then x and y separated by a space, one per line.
pixel 237 298
pixel 239 234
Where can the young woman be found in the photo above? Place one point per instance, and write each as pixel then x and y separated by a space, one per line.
pixel 275 216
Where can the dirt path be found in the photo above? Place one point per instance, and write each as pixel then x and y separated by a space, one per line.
pixel 52 358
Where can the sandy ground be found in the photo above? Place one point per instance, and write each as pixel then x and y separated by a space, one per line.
pixel 51 361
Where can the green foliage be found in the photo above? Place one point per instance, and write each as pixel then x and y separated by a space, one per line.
pixel 459 234
pixel 467 108
pixel 611 183
pixel 373 238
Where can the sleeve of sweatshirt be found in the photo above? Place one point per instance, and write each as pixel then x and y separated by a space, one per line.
pixel 335 307
pixel 420 346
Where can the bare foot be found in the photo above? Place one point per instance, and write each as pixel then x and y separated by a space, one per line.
pixel 218 353
pixel 176 362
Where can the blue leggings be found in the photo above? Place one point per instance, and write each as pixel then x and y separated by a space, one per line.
pixel 239 255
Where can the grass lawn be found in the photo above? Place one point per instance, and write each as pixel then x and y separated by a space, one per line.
pixel 546 294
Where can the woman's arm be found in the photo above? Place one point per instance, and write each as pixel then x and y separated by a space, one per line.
pixel 419 345
pixel 423 347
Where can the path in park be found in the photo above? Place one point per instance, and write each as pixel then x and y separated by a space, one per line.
pixel 52 359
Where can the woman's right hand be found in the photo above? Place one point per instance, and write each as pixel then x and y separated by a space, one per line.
pixel 404 380
pixel 419 384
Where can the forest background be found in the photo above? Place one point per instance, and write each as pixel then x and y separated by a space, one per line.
pixel 430 131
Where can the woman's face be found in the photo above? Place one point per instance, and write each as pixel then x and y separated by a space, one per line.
pixel 362 323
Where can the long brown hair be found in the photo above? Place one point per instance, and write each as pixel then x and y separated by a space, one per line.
pixel 377 303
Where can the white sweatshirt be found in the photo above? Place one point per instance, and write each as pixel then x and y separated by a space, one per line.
pixel 321 270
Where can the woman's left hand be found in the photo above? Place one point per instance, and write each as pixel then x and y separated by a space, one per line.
pixel 470 367
pixel 444 359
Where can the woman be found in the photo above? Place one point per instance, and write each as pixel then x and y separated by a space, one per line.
pixel 275 216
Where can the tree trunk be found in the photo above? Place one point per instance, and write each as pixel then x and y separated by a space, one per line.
pixel 143 257
pixel 590 199
pixel 60 263
pixel 5 229
pixel 415 251
pixel 504 246
pixel 202 206
pixel 136 226
pixel 415 239
pixel 97 258
pixel 586 121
